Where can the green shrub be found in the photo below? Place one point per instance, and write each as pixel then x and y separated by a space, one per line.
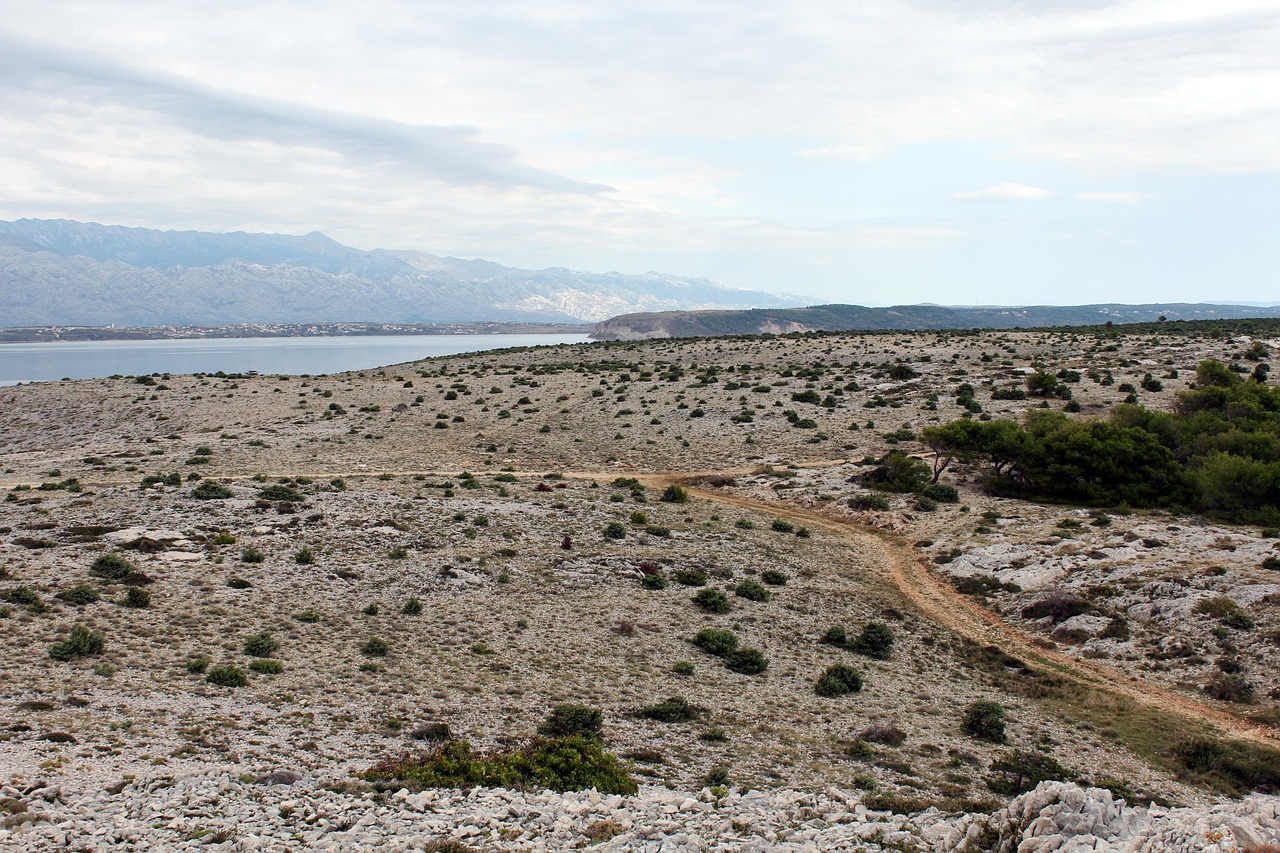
pixel 985 721
pixel 112 567
pixel 1229 687
pixel 266 666
pixel 752 590
pixel 781 525
pixel 654 581
pixel 712 601
pixel 716 641
pixel 573 763
pixel 374 648
pixel 835 636
pixel 838 680
pixel 675 494
pixel 942 493
pixel 615 530
pixel 79 595
pixel 261 645
pixel 746 661
pixel 682 667
pixel 252 555
pixel 412 607
pixel 1232 766
pixel 197 665
pixel 676 709
pixel 1021 770
pixel 304 556
pixel 773 577
pixel 81 642
pixel 280 492
pixel 307 616
pixel 875 641
pixel 568 720
pixel 227 675
pixel 211 490
pixel 136 597
pixel 690 577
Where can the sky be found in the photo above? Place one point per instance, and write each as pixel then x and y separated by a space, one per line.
pixel 962 152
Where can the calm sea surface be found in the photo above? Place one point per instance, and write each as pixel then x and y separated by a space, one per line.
pixel 88 359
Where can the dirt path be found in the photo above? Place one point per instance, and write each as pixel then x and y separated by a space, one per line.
pixel 938 602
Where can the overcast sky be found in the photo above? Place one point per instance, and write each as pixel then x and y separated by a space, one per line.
pixel 952 151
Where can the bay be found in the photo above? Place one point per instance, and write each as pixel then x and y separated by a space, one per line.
pixel 42 362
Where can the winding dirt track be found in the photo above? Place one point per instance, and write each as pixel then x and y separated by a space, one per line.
pixel 938 602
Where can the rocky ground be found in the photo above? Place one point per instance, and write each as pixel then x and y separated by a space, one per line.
pixel 459 511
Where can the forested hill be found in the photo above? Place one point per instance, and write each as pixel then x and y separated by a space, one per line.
pixel 831 318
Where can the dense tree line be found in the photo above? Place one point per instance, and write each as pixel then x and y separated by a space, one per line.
pixel 1218 451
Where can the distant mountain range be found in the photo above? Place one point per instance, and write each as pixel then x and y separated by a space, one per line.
pixel 62 272
pixel 828 318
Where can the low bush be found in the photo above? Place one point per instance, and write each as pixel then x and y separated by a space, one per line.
pixel 78 595
pixel 875 641
pixel 112 567
pixel 267 666
pixel 374 648
pixel 574 763
pixel 238 583
pixel 211 490
pixel 252 555
pixel 774 577
pixel 654 581
pixel 838 680
pixel 614 530
pixel 676 709
pixel 752 590
pixel 569 720
pixel 716 641
pixel 1021 770
pixel 985 721
pixel 227 675
pixel 197 665
pixel 888 733
pixel 280 492
pixel 307 616
pixel 304 556
pixel 81 642
pixel 746 661
pixel 1229 687
pixel 675 494
pixel 690 577
pixel 261 645
pixel 1231 766
pixel 136 597
pixel 781 525
pixel 836 636
pixel 412 607
pixel 712 601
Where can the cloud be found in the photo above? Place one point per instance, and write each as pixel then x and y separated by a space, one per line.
pixel 450 154
pixel 1007 192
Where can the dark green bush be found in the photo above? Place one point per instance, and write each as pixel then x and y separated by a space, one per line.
pixel 712 600
pixel 280 492
pixel 79 595
pixel 573 763
pixel 211 490
pixel 304 556
pixel 781 525
pixel 1021 770
pixel 266 666
pixel 836 636
pixel 307 616
pixel 675 494
pixel 136 597
pixel 682 667
pixel 81 642
pixel 261 645
pixel 657 580
pixel 746 661
pixel 227 675
pixel 985 721
pixel 197 665
pixel 716 641
pixel 690 577
pixel 1232 766
pixel 774 577
pixel 898 472
pixel 942 493
pixel 752 590
pixel 875 641
pixel 112 567
pixel 238 583
pixel 374 648
pixel 252 555
pixel 412 607
pixel 838 680
pixel 567 720
pixel 615 530
pixel 673 710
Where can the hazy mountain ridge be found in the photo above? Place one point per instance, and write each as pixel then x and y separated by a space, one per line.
pixel 689 324
pixel 66 272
